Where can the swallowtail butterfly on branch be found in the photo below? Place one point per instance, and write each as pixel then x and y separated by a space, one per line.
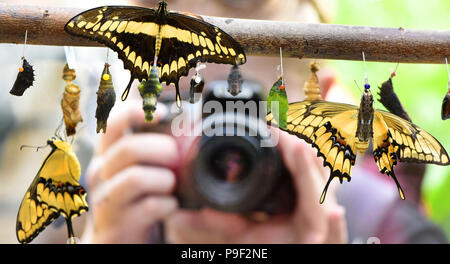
pixel 140 36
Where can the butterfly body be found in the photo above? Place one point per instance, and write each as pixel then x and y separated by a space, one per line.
pixel 139 35
pixel 55 190
pixel 339 131
pixel 364 129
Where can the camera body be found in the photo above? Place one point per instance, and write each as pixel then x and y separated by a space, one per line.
pixel 227 167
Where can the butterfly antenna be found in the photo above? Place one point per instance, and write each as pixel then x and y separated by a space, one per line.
pixel 24 44
pixel 366 80
pixel 358 86
pixel 107 55
pixel 34 147
pixel 281 66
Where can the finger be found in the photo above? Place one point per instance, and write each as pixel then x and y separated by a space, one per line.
pixel 157 207
pixel 119 124
pixel 93 178
pixel 144 214
pixel 146 148
pixel 134 183
pixel 309 215
pixel 300 161
pixel 337 228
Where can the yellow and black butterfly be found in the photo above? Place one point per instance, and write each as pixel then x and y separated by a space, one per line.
pixel 338 131
pixel 143 37
pixel 55 190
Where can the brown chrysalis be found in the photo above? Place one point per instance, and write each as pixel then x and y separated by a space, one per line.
pixel 445 112
pixel 70 102
pixel 312 88
pixel 24 80
pixel 390 100
pixel 106 97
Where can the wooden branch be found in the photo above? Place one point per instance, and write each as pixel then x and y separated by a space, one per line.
pixel 45 26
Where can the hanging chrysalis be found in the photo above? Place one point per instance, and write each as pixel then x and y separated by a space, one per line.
pixel 278 94
pixel 390 100
pixel 25 77
pixel 235 81
pixel 197 84
pixel 312 88
pixel 106 97
pixel 150 91
pixel 70 102
pixel 445 112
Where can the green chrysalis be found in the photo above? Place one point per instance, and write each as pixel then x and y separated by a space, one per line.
pixel 278 94
pixel 150 91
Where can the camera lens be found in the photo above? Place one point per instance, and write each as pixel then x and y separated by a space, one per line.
pixel 230 165
pixel 231 171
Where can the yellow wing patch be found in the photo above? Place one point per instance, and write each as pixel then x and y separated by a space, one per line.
pixel 32 218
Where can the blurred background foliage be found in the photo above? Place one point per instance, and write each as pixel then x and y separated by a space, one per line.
pixel 421 87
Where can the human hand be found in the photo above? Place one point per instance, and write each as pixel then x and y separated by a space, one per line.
pixel 130 181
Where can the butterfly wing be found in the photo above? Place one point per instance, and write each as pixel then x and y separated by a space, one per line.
pixel 54 191
pixel 117 28
pixel 384 148
pixel 33 216
pixel 396 138
pixel 413 144
pixel 330 128
pixel 132 31
pixel 58 185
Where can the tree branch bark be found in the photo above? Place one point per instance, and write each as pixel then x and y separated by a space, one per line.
pixel 45 26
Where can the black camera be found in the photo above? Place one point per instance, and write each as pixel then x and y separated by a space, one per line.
pixel 228 167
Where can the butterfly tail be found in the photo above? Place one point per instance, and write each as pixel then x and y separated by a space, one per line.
pixel 324 192
pixel 399 188
pixel 178 98
pixel 71 236
pixel 127 90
